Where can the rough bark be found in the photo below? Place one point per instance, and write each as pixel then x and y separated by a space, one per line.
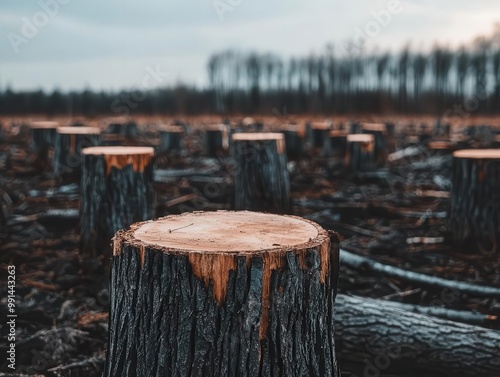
pixel 261 179
pixel 360 155
pixel 474 219
pixel 386 339
pixel 319 134
pixel 216 140
pixel 117 190
pixel 168 318
pixel 68 150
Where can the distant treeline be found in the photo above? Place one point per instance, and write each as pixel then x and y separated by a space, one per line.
pixel 442 82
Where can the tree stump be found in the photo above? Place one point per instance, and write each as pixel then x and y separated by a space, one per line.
pixel 336 144
pixel 43 136
pixel 117 190
pixel 294 141
pixel 360 155
pixel 261 178
pixel 171 139
pixel 319 133
pixel 474 220
pixel 379 132
pixel 441 148
pixel 223 294
pixel 68 150
pixel 216 140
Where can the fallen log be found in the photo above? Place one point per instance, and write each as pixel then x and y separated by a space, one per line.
pixel 463 316
pixel 362 263
pixel 386 339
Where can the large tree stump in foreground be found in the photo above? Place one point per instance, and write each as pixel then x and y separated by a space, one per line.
pixel 223 294
pixel 261 178
pixel 43 136
pixel 117 190
pixel 360 155
pixel 216 139
pixel 68 149
pixel 474 220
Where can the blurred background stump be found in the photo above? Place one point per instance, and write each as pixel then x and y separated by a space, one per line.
pixel 261 178
pixel 379 132
pixel 294 141
pixel 474 220
pixel 117 190
pixel 43 137
pixel 319 134
pixel 171 140
pixel 336 144
pixel 360 154
pixel 216 140
pixel 68 150
pixel 223 294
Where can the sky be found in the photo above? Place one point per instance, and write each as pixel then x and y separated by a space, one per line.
pixel 117 44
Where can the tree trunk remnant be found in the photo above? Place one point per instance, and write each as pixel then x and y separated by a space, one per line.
pixel 294 141
pixel 360 155
pixel 390 340
pixel 223 294
pixel 43 139
pixel 68 150
pixel 261 178
pixel 171 139
pixel 336 144
pixel 117 190
pixel 474 220
pixel 216 140
pixel 319 133
pixel 379 132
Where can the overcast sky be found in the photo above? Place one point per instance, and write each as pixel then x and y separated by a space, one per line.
pixel 110 44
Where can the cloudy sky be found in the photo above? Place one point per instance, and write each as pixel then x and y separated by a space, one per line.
pixel 71 44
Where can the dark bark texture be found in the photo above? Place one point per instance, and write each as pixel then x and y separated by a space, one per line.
pixel 68 154
pixel 360 156
pixel 389 340
pixel 42 140
pixel 165 321
pixel 111 201
pixel 335 146
pixel 474 219
pixel 261 180
pixel 294 144
pixel 170 142
pixel 216 142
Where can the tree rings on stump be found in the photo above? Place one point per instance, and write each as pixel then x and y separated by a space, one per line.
pixel 68 149
pixel 223 294
pixel 117 190
pixel 474 220
pixel 360 155
pixel 261 179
